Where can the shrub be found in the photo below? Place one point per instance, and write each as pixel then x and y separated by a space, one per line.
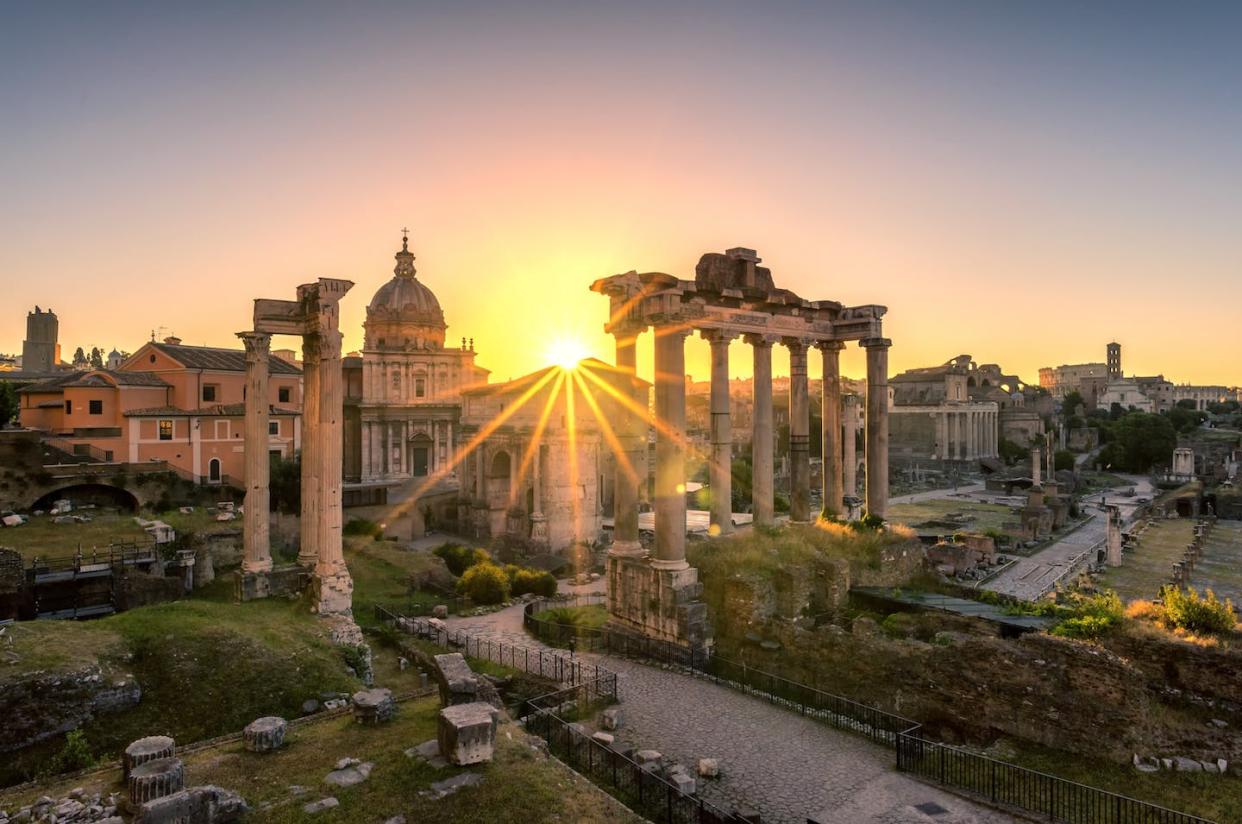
pixel 74 755
pixel 484 583
pixel 525 579
pixel 780 503
pixel 361 526
pixel 1186 609
pixel 1089 616
pixel 460 558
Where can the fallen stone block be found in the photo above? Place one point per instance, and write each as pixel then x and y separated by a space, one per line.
pixel 684 783
pixel 146 749
pixel 265 734
pixel 428 751
pixel 374 706
pixel 603 738
pixel 467 733
pixel 350 775
pixel 451 785
pixel 610 719
pixel 709 768
pixel 198 805
pixel 647 756
pixel 439 611
pixel 1183 764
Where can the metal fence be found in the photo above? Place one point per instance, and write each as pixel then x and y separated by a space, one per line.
pixel 1009 785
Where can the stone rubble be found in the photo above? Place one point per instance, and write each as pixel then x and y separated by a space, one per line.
pixel 319 806
pixel 448 786
pixel 265 734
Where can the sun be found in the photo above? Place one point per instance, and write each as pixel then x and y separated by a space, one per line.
pixel 566 353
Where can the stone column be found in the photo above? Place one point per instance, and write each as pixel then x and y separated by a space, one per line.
pixel 761 436
pixel 721 466
pixel 538 522
pixel 335 588
pixel 670 410
pixel 877 425
pixel 255 538
pixel 629 426
pixel 312 440
pixel 849 448
pixel 972 429
pixel 1035 467
pixel 830 411
pixel 942 436
pixel 799 432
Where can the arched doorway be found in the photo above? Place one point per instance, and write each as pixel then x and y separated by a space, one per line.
pixel 97 494
pixel 420 455
pixel 213 471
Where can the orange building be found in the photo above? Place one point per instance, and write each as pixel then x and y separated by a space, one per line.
pixel 184 405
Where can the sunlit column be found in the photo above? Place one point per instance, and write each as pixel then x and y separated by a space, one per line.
pixel 849 448
pixel 761 436
pixel 633 451
pixel 365 446
pixel 312 439
pixel 830 410
pixel 877 425
pixel 255 539
pixel 331 557
pixel 670 410
pixel 799 432
pixel 721 466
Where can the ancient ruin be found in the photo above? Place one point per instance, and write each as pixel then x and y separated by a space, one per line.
pixel 315 317
pixel 730 296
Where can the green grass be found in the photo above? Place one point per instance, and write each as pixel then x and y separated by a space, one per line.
pixel 1144 570
pixel 42 538
pixel 976 517
pixel 518 785
pixel 382 570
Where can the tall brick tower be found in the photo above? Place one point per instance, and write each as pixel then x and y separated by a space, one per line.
pixel 41 350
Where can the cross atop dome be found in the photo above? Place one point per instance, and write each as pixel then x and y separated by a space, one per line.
pixel 405 258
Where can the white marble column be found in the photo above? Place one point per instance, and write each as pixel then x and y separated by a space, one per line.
pixel 720 467
pixel 830 412
pixel 331 557
pixel 670 410
pixel 761 437
pixel 849 448
pixel 365 446
pixel 255 537
pixel 312 441
pixel 799 432
pixel 877 425
pixel 633 445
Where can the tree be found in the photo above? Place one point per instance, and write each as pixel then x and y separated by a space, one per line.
pixel 1011 452
pixel 1185 419
pixel 285 483
pixel 96 359
pixel 1140 440
pixel 1070 403
pixel 1063 459
pixel 79 356
pixel 8 403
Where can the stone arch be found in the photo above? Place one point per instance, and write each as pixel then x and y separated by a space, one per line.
pixel 214 475
pixel 501 466
pixel 89 493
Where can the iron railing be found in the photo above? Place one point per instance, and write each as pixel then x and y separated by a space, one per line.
pixel 1008 785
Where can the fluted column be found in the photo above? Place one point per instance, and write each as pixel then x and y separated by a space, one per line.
pixel 830 411
pixel 849 448
pixel 670 410
pixel 877 425
pixel 721 466
pixel 972 435
pixel 312 439
pixel 761 437
pixel 331 558
pixel 255 538
pixel 629 425
pixel 799 432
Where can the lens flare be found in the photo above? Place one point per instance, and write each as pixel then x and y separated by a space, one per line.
pixel 566 353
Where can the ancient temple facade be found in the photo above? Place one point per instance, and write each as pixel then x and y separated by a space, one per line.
pixel 404 393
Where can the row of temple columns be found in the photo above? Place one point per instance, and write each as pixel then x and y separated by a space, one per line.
pixel 670 423
pixel 967 434
pixel 322 402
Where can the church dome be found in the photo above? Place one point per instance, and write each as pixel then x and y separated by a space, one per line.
pixel 404 313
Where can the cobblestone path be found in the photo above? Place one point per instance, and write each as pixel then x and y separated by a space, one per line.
pixel 786 766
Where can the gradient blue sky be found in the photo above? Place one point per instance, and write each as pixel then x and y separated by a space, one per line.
pixel 1020 181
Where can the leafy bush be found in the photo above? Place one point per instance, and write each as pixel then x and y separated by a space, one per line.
pixel 361 526
pixel 525 579
pixel 460 558
pixel 780 503
pixel 74 755
pixel 867 523
pixel 1186 609
pixel 484 583
pixel 1063 459
pixel 1089 616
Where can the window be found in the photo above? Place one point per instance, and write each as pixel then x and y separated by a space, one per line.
pixel 68 407
pixel 95 407
pixel 420 388
pixel 213 470
pixel 283 394
pixel 107 456
pixel 273 427
pixel 166 430
pixel 209 393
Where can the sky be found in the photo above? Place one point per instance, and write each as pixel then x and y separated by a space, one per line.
pixel 1023 182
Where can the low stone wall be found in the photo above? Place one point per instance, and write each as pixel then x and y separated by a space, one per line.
pixel 658 603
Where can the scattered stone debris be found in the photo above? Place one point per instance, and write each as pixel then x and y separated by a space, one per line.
pixel 709 768
pixel 77 806
pixel 320 805
pixel 604 738
pixel 199 805
pixel 467 733
pixel 429 753
pixel 348 772
pixel 610 719
pixel 310 706
pixel 374 706
pixel 448 786
pixel 1180 763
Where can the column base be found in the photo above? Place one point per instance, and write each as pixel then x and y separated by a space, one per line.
pixel 332 591
pixel 670 566
pixel 658 603
pixel 274 582
pixel 539 530
pixel 626 549
pixel 308 561
pixel 264 565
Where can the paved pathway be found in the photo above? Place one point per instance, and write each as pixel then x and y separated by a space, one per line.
pixel 787 766
pixel 1029 578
